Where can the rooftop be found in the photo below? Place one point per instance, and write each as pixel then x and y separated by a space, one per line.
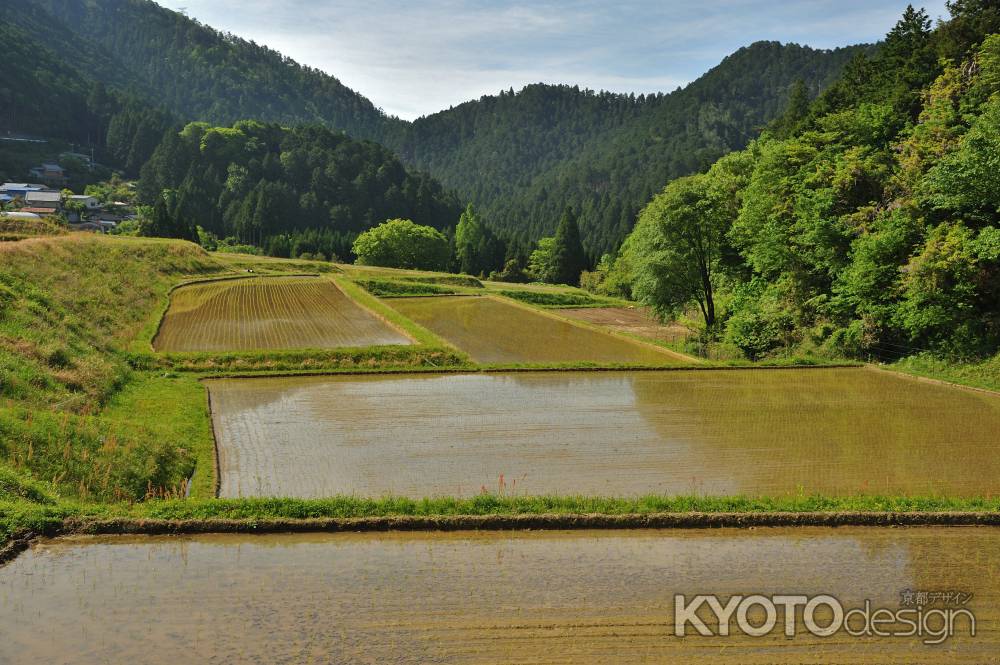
pixel 19 185
pixel 48 197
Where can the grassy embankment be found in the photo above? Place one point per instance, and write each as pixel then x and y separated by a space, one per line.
pixel 94 425
pixel 88 413
pixel 984 374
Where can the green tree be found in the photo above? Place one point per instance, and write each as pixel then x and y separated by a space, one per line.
pixel 795 113
pixel 469 239
pixel 686 228
pixel 541 262
pixel 568 257
pixel 399 243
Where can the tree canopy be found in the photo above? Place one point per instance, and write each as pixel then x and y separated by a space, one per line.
pixel 399 243
pixel 869 225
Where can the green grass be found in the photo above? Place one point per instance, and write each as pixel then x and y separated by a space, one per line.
pixel 265 265
pixel 394 318
pixel 147 441
pixel 16 485
pixel 306 360
pixel 387 288
pixel 21 516
pixel 452 280
pixel 20 229
pixel 558 299
pixel 984 374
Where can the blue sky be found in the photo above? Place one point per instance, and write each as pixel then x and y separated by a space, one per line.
pixel 415 58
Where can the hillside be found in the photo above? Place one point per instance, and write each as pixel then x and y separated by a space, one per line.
pixel 523 157
pixel 189 69
pixel 44 94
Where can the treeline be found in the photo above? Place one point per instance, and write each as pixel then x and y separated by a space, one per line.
pixel 40 94
pixel 288 190
pixel 865 223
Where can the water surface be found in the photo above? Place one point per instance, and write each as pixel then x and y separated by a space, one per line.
pixel 719 432
pixel 533 597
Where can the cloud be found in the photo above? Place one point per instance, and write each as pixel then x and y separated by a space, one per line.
pixel 416 58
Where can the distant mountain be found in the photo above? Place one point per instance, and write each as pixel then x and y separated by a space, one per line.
pixel 520 157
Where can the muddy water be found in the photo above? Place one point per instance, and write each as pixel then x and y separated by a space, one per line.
pixel 496 332
pixel 770 432
pixel 553 597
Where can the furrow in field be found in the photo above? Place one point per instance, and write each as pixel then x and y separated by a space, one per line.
pixel 268 313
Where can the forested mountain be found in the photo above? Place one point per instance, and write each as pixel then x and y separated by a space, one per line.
pixel 42 94
pixel 866 223
pixel 523 157
pixel 189 69
pixel 520 157
pixel 305 188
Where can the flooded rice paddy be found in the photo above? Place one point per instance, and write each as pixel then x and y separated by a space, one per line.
pixel 718 432
pixel 268 313
pixel 531 597
pixel 496 332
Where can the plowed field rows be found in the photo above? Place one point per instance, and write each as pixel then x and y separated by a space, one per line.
pixel 268 313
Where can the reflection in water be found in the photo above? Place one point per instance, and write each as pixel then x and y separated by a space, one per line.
pixel 760 432
pixel 493 331
pixel 475 597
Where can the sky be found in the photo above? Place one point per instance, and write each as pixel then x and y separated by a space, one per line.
pixel 412 58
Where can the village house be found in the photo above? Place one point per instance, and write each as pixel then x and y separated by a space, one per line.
pixel 49 173
pixel 19 189
pixel 88 202
pixel 41 212
pixel 45 200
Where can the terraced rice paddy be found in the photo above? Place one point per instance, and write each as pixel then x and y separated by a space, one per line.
pixel 554 597
pixel 634 320
pixel 268 313
pixel 495 332
pixel 716 432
